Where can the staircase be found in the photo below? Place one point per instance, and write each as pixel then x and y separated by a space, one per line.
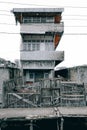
pixel 73 94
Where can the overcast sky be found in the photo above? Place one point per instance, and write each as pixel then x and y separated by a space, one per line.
pixel 73 41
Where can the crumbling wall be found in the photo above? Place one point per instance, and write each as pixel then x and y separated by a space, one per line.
pixel 78 74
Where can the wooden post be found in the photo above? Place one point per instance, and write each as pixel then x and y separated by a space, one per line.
pixel 61 123
pixel 57 125
pixel 31 125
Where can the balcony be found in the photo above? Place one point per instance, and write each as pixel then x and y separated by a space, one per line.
pixel 42 56
pixel 41 28
pixel 45 65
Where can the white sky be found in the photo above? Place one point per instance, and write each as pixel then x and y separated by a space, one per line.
pixel 75 23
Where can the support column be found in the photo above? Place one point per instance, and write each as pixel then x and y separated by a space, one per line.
pixel 61 123
pixel 57 125
pixel 31 125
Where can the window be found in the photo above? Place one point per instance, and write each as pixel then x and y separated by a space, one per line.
pixel 38 47
pixel 43 20
pixel 46 75
pixel 49 20
pixel 49 47
pixel 31 46
pixel 38 20
pixel 27 20
pixel 42 40
pixel 37 40
pixel 35 47
pixel 31 75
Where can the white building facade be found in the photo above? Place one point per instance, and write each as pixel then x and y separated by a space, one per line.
pixel 41 30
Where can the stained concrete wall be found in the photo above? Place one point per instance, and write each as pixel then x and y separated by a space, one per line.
pixel 78 74
pixel 4 75
pixel 38 64
pixel 42 28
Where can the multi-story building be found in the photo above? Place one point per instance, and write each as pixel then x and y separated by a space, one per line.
pixel 41 30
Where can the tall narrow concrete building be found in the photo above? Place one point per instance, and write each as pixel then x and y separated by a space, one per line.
pixel 41 30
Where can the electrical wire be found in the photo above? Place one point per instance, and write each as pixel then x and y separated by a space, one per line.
pixel 80 19
pixel 67 26
pixel 4 10
pixel 63 34
pixel 75 33
pixel 64 26
pixel 43 5
pixel 48 6
pixel 62 18
pixel 64 15
pixel 8 33
pixel 6 15
pixel 75 26
pixel 7 24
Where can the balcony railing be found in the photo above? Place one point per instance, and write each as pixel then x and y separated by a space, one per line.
pixel 42 55
pixel 42 28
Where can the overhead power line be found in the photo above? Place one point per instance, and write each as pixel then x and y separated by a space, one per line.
pixel 62 17
pixel 85 16
pixel 75 33
pixel 6 14
pixel 4 10
pixel 47 25
pixel 74 26
pixel 74 19
pixel 7 24
pixel 64 26
pixel 64 33
pixel 43 5
pixel 8 33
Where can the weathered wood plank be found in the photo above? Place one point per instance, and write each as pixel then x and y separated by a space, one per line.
pixel 42 113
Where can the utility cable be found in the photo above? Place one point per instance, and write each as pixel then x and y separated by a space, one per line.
pixel 63 34
pixel 82 7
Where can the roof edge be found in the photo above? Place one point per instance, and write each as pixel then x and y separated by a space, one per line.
pixel 21 10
